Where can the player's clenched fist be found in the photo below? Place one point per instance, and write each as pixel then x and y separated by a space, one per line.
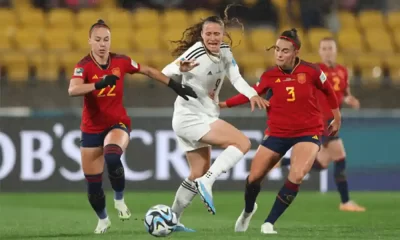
pixel 107 80
pixel 182 90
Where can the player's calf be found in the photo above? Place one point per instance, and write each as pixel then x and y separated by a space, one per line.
pixel 183 197
pixel 116 174
pixel 97 200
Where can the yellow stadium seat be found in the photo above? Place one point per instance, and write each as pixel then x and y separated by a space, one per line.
pixel 261 39
pixel 240 41
pixel 5 40
pixel 350 41
pixel 379 40
pixel 29 39
pixel 315 35
pixel 310 57
pixel 347 20
pixel 146 18
pixel 393 63
pixel 46 66
pixel 142 59
pixel 146 39
pixel 17 66
pixel 393 20
pixel 69 60
pixel 199 14
pixel 7 18
pixel 120 40
pixel 253 65
pixel 160 60
pixel 87 17
pixel 22 5
pixel 119 19
pixel 80 39
pixel 56 39
pixel 371 19
pixel 175 18
pixel 61 18
pixel 371 69
pixel 170 35
pixel 35 19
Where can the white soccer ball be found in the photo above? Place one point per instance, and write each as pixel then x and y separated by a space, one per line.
pixel 160 221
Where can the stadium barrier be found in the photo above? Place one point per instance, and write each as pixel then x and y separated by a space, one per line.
pixel 39 151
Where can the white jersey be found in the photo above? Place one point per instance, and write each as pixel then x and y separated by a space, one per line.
pixel 192 119
pixel 207 78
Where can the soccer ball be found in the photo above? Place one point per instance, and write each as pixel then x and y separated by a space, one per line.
pixel 160 221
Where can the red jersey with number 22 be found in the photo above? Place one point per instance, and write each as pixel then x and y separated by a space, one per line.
pixel 338 78
pixel 104 108
pixel 293 110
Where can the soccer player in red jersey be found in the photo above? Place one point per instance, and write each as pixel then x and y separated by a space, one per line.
pixel 294 119
pixel 105 124
pixel 332 146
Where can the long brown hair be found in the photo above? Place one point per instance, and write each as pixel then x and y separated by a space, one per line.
pixel 193 34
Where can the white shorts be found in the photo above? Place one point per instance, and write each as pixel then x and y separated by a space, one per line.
pixel 190 125
pixel 288 154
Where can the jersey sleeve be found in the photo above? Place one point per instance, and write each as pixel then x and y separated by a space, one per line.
pixel 172 69
pixel 236 78
pixel 322 84
pixel 80 71
pixel 131 66
pixel 261 87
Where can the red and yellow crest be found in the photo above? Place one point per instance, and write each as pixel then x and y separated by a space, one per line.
pixel 301 78
pixel 116 71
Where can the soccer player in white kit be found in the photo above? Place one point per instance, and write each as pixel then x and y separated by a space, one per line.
pixel 203 62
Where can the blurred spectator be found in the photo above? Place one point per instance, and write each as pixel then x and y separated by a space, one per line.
pixel 262 13
pixel 5 3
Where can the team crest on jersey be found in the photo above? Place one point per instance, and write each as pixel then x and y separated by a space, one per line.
pixel 116 71
pixel 322 77
pixel 78 72
pixel 301 78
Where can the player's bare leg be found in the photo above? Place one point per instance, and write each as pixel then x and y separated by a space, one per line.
pixel 199 163
pixel 93 167
pixel 338 155
pixel 263 161
pixel 115 143
pixel 235 143
pixel 302 159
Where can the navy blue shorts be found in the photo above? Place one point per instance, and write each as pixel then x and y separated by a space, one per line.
pixel 282 145
pixel 326 138
pixel 89 140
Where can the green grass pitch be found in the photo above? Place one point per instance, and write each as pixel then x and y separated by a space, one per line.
pixel 312 216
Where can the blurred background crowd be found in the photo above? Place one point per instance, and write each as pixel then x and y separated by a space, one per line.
pixel 42 40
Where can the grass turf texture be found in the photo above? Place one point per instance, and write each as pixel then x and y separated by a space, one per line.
pixel 312 216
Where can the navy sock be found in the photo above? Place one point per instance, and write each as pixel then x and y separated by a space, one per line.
pixel 339 174
pixel 116 174
pixel 317 166
pixel 285 162
pixel 96 195
pixel 284 198
pixel 250 195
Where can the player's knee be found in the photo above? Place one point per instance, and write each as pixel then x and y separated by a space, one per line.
pixel 112 157
pixel 296 175
pixel 243 144
pixel 255 178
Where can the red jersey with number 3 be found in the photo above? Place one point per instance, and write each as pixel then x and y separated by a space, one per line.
pixel 338 78
pixel 293 110
pixel 104 108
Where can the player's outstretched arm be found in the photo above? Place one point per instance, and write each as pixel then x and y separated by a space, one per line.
pixel 180 89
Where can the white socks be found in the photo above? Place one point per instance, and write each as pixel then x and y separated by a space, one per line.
pixel 225 161
pixel 183 197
